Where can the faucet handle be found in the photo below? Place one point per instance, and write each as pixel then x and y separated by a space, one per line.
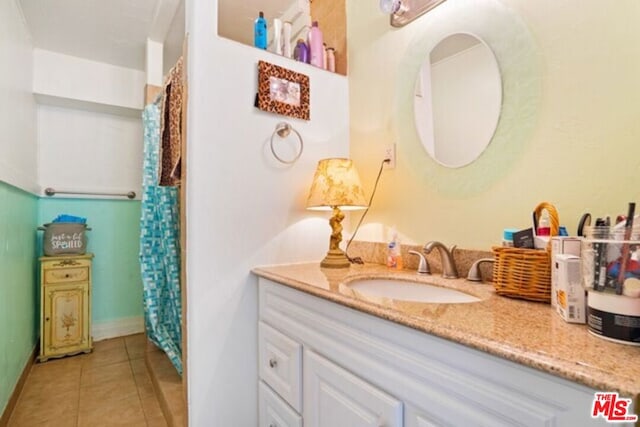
pixel 474 272
pixel 423 267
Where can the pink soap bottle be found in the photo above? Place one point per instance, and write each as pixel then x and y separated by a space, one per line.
pixel 316 45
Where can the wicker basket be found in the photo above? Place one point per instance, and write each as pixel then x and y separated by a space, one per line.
pixel 526 273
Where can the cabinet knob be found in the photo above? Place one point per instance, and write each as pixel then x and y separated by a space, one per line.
pixel 46 319
pixel 66 275
pixel 273 363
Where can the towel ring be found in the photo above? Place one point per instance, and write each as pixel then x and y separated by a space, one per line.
pixel 283 130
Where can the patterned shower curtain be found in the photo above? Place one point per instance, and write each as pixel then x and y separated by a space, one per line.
pixel 160 248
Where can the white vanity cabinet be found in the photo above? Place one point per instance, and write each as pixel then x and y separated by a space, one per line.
pixel 345 368
pixel 334 397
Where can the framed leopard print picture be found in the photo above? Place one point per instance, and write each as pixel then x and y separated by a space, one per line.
pixel 283 91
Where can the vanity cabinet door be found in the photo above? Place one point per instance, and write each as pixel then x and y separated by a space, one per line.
pixel 334 397
pixel 273 411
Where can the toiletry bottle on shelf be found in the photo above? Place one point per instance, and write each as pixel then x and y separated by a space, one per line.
pixel 260 32
pixel 324 56
pixel 286 39
pixel 331 59
pixel 316 48
pixel 301 52
pixel 277 36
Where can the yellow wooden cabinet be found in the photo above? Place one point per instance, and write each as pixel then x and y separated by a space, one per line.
pixel 65 310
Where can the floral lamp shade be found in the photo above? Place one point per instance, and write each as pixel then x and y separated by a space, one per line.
pixel 336 184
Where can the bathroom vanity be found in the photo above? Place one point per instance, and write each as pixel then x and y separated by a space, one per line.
pixel 330 356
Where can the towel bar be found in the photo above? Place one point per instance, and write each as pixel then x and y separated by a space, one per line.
pixel 51 192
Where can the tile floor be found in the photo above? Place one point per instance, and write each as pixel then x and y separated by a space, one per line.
pixel 108 387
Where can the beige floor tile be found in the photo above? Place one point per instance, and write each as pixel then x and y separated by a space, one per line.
pixel 151 407
pixel 110 390
pixel 96 375
pixel 138 366
pixel 136 345
pixel 144 384
pixel 156 422
pixel 66 422
pixel 45 380
pixel 47 408
pixel 114 409
pixel 55 367
pixel 110 352
pixel 109 387
pixel 152 348
pixel 109 344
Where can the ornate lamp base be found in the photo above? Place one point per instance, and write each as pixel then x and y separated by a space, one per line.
pixel 335 259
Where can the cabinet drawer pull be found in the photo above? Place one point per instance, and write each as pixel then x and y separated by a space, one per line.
pixel 273 363
pixel 273 425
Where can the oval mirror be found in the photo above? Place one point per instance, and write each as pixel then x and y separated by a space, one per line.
pixel 457 102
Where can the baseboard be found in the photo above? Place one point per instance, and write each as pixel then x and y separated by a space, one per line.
pixel 117 328
pixel 13 399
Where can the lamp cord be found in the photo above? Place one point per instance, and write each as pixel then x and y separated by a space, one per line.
pixel 358 260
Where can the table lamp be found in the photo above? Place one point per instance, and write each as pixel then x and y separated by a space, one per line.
pixel 336 185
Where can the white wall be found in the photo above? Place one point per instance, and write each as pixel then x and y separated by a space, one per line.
pixel 244 209
pixel 89 151
pixel 82 80
pixel 89 124
pixel 17 107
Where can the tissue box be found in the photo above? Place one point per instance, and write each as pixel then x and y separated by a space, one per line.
pixel 562 245
pixel 570 295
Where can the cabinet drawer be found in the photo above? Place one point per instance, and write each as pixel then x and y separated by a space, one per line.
pixel 273 411
pixel 280 364
pixel 60 275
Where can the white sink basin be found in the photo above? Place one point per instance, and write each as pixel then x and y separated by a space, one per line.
pixel 401 290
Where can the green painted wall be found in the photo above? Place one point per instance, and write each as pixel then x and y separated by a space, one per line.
pixel 18 288
pixel 114 240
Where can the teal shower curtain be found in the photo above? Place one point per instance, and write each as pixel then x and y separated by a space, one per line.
pixel 160 248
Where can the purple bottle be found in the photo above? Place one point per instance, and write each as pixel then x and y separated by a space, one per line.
pixel 301 52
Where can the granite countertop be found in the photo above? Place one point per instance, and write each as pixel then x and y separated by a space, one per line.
pixel 524 332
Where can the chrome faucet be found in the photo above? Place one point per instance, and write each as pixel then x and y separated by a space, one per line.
pixel 449 270
pixel 474 272
pixel 423 267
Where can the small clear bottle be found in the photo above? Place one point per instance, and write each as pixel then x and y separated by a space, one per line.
pixel 391 255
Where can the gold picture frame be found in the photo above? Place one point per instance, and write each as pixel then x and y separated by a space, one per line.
pixel 283 91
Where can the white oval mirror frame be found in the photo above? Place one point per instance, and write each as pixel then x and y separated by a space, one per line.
pixel 458 99
pixel 502 28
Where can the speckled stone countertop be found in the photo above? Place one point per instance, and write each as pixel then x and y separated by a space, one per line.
pixel 525 332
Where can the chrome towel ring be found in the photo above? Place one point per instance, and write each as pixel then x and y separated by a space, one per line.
pixel 283 130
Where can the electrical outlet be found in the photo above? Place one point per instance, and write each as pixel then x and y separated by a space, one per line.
pixel 390 153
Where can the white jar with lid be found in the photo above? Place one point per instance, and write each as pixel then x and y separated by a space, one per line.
pixel 507 236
